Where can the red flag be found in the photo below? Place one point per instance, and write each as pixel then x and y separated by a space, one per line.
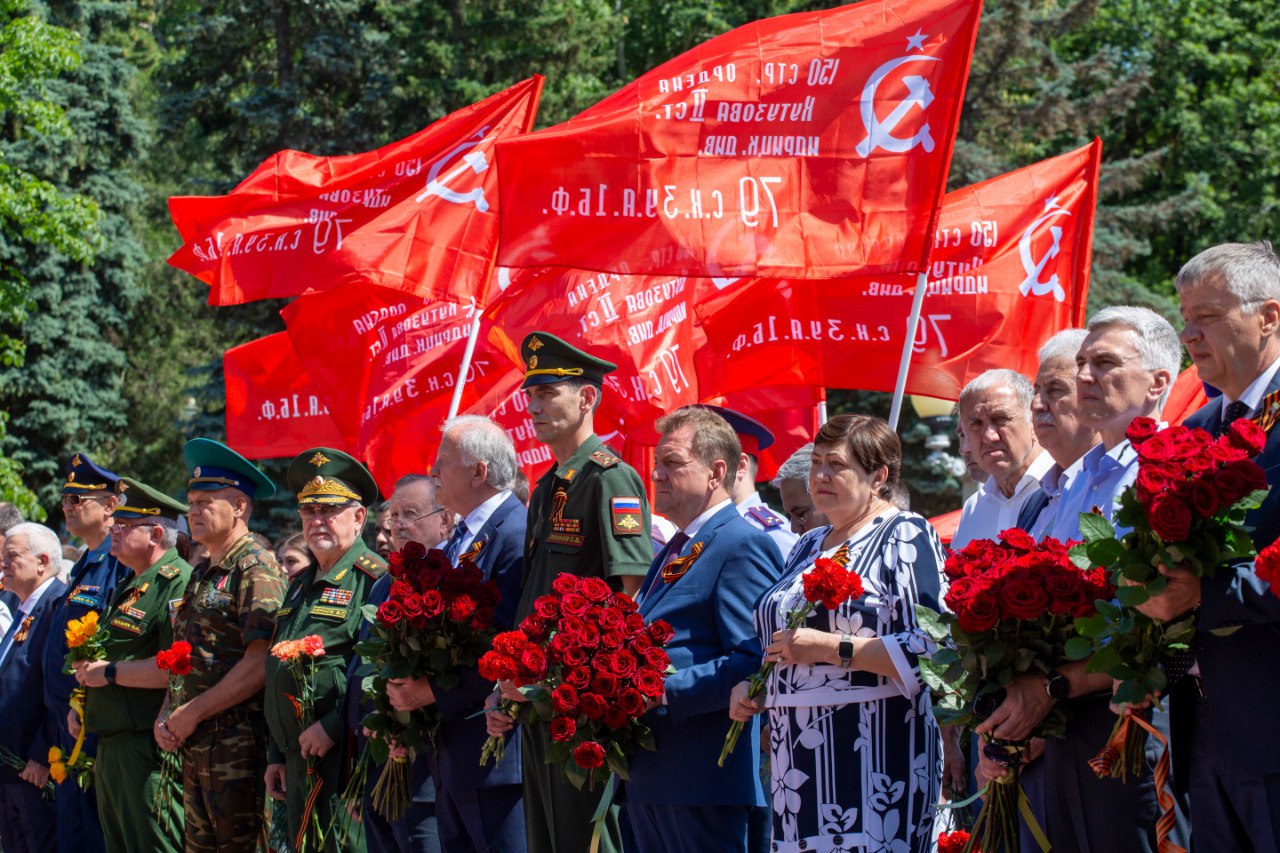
pixel 644 324
pixel 273 407
pixel 387 363
pixel 790 413
pixel 1186 397
pixel 1010 268
pixel 812 145
pixel 418 215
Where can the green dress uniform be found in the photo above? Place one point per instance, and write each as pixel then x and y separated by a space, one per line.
pixel 327 604
pixel 139 624
pixel 589 517
pixel 227 606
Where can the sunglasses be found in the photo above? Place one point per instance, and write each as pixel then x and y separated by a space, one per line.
pixel 76 500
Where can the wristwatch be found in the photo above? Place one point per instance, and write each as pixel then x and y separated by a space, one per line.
pixel 845 651
pixel 1057 686
pixel 110 673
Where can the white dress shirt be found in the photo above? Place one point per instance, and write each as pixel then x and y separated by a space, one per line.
pixel 24 610
pixel 989 511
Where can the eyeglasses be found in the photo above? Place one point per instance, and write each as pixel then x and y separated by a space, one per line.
pixel 76 500
pixel 322 511
pixel 409 520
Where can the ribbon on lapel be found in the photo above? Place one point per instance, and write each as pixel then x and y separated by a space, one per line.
pixel 841 556
pixel 1268 411
pixel 676 569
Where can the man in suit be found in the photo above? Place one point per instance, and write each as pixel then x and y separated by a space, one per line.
pixel 413 515
pixel 479 808
pixel 29 559
pixel 88 499
pixel 705 583
pixel 1226 739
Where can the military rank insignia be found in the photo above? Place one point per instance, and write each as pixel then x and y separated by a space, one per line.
pixel 625 512
pixel 86 595
pixel 765 517
pixel 333 595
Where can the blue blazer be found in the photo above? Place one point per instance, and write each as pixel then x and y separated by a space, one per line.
pixel 1238 630
pixel 457 763
pixel 30 728
pixel 715 646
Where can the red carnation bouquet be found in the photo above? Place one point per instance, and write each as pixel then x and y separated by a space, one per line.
pixel 176 660
pixel 1186 508
pixel 590 667
pixel 300 657
pixel 955 842
pixel 1267 566
pixel 828 584
pixel 436 621
pixel 1012 609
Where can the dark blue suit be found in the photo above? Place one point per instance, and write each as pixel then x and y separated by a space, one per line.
pixel 417 831
pixel 1227 743
pixel 93 585
pixel 482 808
pixel 26 817
pixel 677 798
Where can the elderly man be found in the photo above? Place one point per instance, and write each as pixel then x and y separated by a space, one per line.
pixel 1059 426
pixel 792 483
pixel 588 517
pixel 479 808
pixel 995 411
pixel 413 515
pixel 228 615
pixel 1226 743
pixel 1124 369
pixel 88 498
pixel 29 560
pixel 755 437
pixel 126 689
pixel 705 584
pixel 334 492
pixel 9 516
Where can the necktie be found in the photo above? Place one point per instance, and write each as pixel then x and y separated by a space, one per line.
pixel 1234 412
pixel 670 567
pixel 454 548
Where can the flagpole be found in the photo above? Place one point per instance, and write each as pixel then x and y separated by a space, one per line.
pixel 913 323
pixel 466 364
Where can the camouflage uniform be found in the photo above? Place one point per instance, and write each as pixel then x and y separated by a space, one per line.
pixel 327 604
pixel 227 606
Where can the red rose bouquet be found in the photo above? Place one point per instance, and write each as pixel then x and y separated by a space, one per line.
pixel 1186 508
pixel 176 660
pixel 590 667
pixel 1012 607
pixel 436 621
pixel 300 656
pixel 828 584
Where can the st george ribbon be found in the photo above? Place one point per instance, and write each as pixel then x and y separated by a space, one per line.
pixel 813 145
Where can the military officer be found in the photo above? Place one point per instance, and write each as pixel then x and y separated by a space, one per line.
pixel 227 614
pixel 588 516
pixel 755 437
pixel 126 690
pixel 334 492
pixel 88 498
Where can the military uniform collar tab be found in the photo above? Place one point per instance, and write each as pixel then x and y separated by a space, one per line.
pixel 578 460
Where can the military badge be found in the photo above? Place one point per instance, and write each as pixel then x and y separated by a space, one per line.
pixel 333 595
pixel 126 625
pixel 765 517
pixel 329 612
pixel 86 595
pixel 627 518
pixel 318 459
pixel 534 344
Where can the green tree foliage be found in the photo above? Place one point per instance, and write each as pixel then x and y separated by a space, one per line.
pixel 68 395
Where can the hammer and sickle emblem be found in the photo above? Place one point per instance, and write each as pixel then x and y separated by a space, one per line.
pixel 1032 285
pixel 880 133
pixel 472 160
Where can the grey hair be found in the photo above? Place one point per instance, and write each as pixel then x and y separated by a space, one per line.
pixel 481 440
pixel 1156 340
pixel 9 516
pixel 170 538
pixel 1065 344
pixel 40 540
pixel 796 468
pixel 1251 270
pixel 1000 377
pixel 410 479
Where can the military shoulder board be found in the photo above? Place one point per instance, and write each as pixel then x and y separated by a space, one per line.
pixel 765 517
pixel 371 566
pixel 168 571
pixel 604 458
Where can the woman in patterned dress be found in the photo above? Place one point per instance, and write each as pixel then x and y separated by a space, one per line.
pixel 856 755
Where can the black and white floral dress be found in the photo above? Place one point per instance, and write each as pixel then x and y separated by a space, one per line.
pixel 856 757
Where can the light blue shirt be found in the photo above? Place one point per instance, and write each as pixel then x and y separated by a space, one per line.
pixel 1096 487
pixel 1054 483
